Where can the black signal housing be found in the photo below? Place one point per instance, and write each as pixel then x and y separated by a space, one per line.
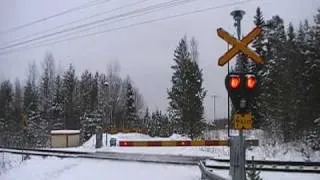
pixel 241 88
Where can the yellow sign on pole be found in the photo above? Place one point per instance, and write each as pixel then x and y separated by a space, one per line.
pixel 242 120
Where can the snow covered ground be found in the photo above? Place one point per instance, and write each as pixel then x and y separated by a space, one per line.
pixel 52 168
pixel 9 161
pixel 265 151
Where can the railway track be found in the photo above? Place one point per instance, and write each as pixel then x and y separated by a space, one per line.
pixel 209 163
pixel 269 162
pixel 136 157
pixel 277 166
pixel 44 152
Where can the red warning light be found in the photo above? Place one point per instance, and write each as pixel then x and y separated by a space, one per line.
pixel 251 81
pixel 234 81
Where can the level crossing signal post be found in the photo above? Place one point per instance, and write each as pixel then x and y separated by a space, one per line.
pixel 241 87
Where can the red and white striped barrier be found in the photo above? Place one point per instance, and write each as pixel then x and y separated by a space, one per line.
pixel 252 142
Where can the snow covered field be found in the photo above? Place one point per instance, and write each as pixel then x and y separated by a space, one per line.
pixel 52 168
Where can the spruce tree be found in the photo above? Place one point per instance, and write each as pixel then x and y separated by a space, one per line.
pixel 69 96
pixel 154 127
pixel 35 130
pixel 312 73
pixel 165 125
pixel 86 121
pixel 94 92
pixel 131 111
pixel 260 47
pixel 314 65
pixel 112 97
pixel 46 89
pixel 91 115
pixel 57 106
pixel 17 112
pixel 289 79
pixel 160 125
pixel 146 119
pixel 186 94
pixel 296 96
pixel 85 91
pixel 259 42
pixel 271 98
pixel 6 119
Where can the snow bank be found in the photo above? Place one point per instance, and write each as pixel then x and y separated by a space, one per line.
pixel 144 137
pixel 178 137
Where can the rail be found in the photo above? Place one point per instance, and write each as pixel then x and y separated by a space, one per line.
pixel 275 166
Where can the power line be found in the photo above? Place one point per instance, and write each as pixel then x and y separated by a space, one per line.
pixel 141 14
pixel 135 24
pixel 93 23
pixel 76 21
pixel 85 5
pixel 125 18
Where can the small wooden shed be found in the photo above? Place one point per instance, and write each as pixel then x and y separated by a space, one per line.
pixel 65 138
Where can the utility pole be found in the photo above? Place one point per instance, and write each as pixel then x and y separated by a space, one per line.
pixel 106 84
pixel 214 106
pixel 237 147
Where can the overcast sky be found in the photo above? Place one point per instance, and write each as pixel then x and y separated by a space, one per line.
pixel 144 52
